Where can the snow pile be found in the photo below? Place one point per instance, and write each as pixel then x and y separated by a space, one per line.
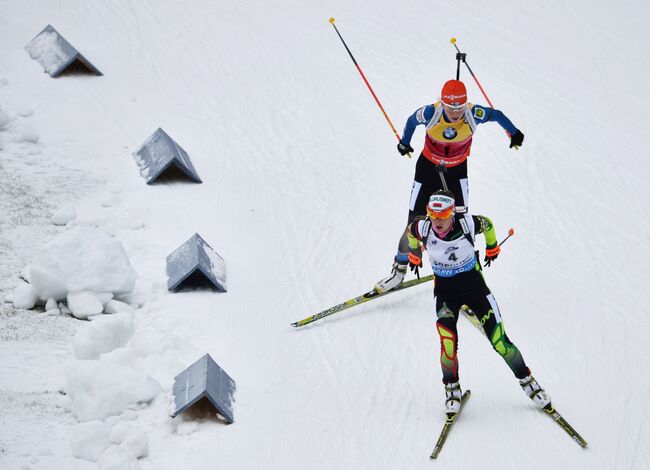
pixel 133 440
pixel 24 296
pixel 84 304
pixel 89 440
pixel 99 389
pixel 115 306
pixel 82 259
pixel 46 50
pixel 27 134
pixel 108 390
pixel 118 447
pixel 116 458
pixel 102 335
pixel 64 215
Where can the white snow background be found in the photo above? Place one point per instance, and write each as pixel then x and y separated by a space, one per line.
pixel 304 196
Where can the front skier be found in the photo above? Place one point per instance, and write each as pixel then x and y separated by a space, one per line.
pixel 449 240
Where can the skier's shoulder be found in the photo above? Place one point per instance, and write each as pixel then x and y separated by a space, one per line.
pixel 480 113
pixel 420 227
pixel 425 113
pixel 482 223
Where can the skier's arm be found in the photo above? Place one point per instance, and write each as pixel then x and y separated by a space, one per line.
pixel 484 225
pixel 421 116
pixel 416 232
pixel 483 114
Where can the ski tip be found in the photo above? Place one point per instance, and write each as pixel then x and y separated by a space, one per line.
pixel 295 324
pixel 332 20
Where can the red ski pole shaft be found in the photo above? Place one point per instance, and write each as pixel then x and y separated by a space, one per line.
pixel 453 41
pixel 511 232
pixel 464 60
pixel 367 83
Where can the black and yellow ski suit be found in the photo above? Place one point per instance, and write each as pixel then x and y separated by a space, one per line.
pixel 458 283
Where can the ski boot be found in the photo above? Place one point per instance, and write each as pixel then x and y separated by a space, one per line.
pixel 393 280
pixel 454 395
pixel 535 392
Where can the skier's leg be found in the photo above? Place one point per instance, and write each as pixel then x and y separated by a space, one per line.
pixel 424 184
pixel 490 318
pixel 447 313
pixel 446 325
pixel 487 311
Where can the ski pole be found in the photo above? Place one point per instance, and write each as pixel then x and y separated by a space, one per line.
pixel 367 84
pixel 462 57
pixel 441 172
pixel 511 232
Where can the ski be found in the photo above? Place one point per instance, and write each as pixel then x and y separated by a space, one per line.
pixel 449 422
pixel 557 417
pixel 370 295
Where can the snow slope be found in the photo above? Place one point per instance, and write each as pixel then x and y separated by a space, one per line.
pixel 304 196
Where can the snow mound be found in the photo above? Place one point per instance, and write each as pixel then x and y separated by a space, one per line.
pixel 89 440
pixel 27 134
pixel 64 215
pixel 51 304
pixel 25 296
pixel 115 306
pixel 82 259
pixel 102 335
pixel 132 440
pixel 116 458
pixel 99 389
pixel 84 304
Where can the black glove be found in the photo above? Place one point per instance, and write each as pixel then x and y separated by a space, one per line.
pixel 403 148
pixel 516 139
pixel 415 260
pixel 491 254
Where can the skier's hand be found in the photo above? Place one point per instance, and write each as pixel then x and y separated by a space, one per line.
pixel 403 148
pixel 516 139
pixel 415 260
pixel 491 254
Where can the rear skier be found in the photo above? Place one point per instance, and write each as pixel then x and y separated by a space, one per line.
pixel 450 126
pixel 449 241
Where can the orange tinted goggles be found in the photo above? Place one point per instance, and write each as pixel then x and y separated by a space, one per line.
pixel 444 214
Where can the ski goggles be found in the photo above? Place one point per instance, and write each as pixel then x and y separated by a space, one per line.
pixel 455 107
pixel 443 214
